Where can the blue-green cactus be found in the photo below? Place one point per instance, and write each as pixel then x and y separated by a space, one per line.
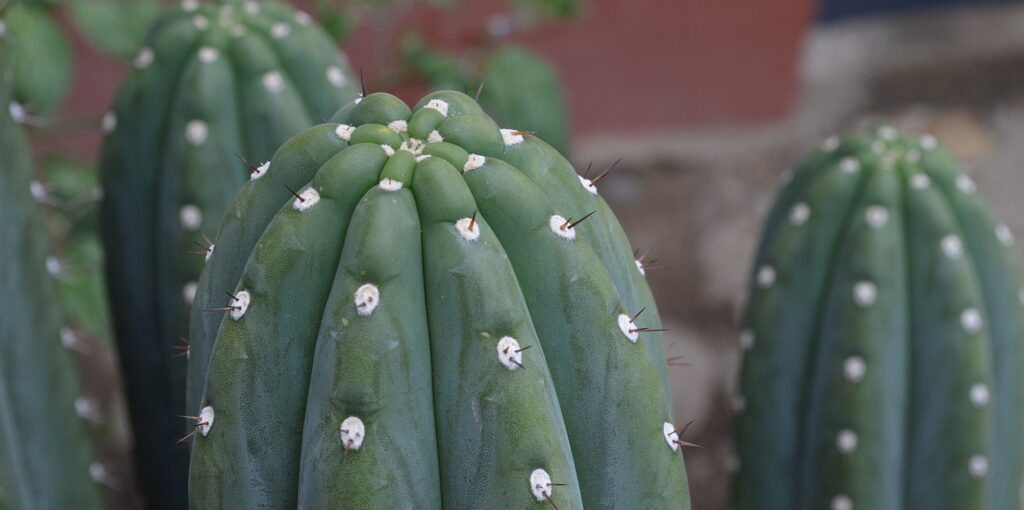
pixel 213 82
pixel 408 316
pixel 884 341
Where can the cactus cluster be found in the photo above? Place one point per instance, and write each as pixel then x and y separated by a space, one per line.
pixel 212 82
pixel 46 457
pixel 412 308
pixel 884 339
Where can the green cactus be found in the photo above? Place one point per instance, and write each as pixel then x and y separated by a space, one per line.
pixel 403 320
pixel 45 450
pixel 883 364
pixel 214 81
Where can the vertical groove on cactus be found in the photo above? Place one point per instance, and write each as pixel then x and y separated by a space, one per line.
pixel 213 82
pixel 894 362
pixel 45 446
pixel 424 333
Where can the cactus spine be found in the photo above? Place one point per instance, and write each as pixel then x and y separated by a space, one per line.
pixel 213 81
pixel 45 449
pixel 884 340
pixel 406 319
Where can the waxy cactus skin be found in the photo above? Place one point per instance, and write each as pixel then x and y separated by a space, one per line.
pixel 405 317
pixel 884 341
pixel 214 81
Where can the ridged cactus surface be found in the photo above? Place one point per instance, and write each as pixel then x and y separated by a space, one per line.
pixel 411 312
pixel 213 82
pixel 45 448
pixel 884 361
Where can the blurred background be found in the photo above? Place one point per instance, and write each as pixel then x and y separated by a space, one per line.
pixel 706 102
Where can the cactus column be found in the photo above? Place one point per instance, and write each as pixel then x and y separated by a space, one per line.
pixel 45 449
pixel 213 82
pixel 412 312
pixel 884 354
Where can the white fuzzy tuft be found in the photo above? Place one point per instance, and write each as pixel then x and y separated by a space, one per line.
pixel 979 395
pixel 336 77
pixel 196 132
pixel 251 7
pixel 849 165
pixel 413 146
pixel 422 157
pixel 188 291
pixel 201 23
pixel 143 58
pixel 53 266
pixel 628 328
pixel 306 199
pixel 540 485
pixel 367 297
pixel 240 304
pixel 17 111
pixel 358 100
pixel 640 267
pixel 509 353
pixel 865 293
pixel 87 409
pixel 920 181
pixel 854 369
pixel 1004 235
pixel 387 184
pixel 588 185
pixel 344 131
pixel 205 423
pixel 389 150
pixel 799 214
pixel 511 137
pixel 966 184
pixel 109 122
pixel 260 171
pixel 560 226
pixel 830 144
pixel 273 81
pixel 929 142
pixel 747 339
pixel 208 54
pixel 435 137
pixel 846 441
pixel 877 216
pixel 209 253
pixel 280 30
pixel 971 320
pixel 888 133
pixel 952 247
pixel 668 430
pixel 977 466
pixel 189 5
pixel 37 190
pixel 68 338
pixel 842 502
pixel 440 105
pixel 303 18
pixel 399 126
pixel 191 217
pixel 468 228
pixel 352 431
pixel 475 161
pixel 766 276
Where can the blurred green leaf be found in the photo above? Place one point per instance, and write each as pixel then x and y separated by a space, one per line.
pixel 523 92
pixel 40 58
pixel 118 27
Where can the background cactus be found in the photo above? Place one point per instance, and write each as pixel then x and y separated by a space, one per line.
pixel 213 82
pixel 884 343
pixel 45 450
pixel 412 312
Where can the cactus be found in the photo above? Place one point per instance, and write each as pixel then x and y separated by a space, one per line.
pixel 45 450
pixel 884 339
pixel 214 81
pixel 404 317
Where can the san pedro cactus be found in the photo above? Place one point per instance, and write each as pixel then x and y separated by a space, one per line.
pixel 409 311
pixel 213 81
pixel 45 449
pixel 884 358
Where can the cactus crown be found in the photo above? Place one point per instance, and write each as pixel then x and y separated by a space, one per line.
pixel 886 312
pixel 418 314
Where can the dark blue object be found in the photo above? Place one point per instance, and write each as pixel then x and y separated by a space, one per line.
pixel 833 10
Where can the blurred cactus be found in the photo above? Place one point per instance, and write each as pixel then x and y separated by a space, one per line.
pixel 46 456
pixel 402 319
pixel 213 82
pixel 884 343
